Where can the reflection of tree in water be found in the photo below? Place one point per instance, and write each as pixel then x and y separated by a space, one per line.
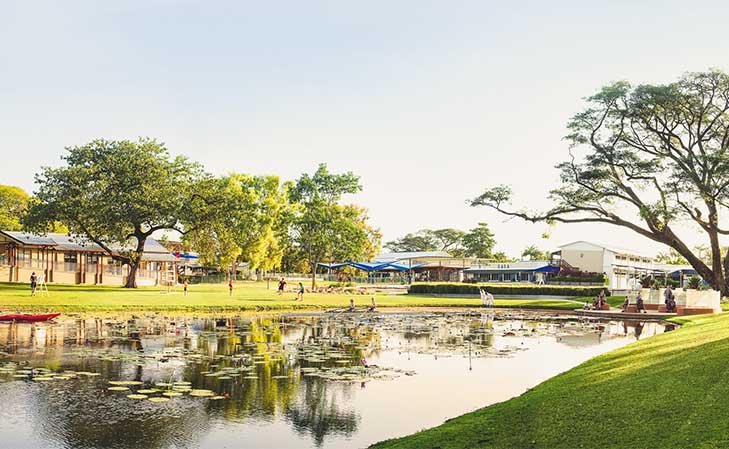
pixel 82 417
pixel 318 412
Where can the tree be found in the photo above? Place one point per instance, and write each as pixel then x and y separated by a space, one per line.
pixel 479 242
pixel 247 230
pixel 13 206
pixel 447 239
pixel 647 158
pixel 321 228
pixel 118 193
pixel 534 253
pixel 671 257
pixel 450 240
pixel 422 240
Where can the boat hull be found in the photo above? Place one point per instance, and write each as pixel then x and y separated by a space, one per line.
pixel 27 318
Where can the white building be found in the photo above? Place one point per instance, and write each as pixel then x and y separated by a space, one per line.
pixel 623 267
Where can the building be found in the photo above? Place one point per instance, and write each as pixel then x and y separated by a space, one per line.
pixel 537 271
pixel 431 266
pixel 624 268
pixel 64 259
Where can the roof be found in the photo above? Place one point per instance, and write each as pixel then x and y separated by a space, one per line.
pixel 153 250
pixel 368 266
pixel 609 247
pixel 526 265
pixel 411 255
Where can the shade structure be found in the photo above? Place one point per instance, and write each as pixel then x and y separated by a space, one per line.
pixel 368 266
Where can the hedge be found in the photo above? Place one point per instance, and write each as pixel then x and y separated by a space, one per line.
pixel 506 289
pixel 599 279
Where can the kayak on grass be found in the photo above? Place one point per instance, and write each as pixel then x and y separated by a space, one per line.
pixel 28 318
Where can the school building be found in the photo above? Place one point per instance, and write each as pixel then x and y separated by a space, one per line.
pixel 65 259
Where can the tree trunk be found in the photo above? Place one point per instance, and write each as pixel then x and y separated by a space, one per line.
pixel 313 275
pixel 134 261
pixel 132 278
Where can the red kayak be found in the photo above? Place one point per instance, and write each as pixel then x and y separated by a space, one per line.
pixel 27 318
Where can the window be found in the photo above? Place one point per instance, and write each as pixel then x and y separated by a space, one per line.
pixel 69 258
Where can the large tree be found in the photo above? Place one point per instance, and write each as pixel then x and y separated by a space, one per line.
pixel 248 228
pixel 13 206
pixel 422 240
pixel 647 158
pixel 322 229
pixel 118 193
pixel 479 242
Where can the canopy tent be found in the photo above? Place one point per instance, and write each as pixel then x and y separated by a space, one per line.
pixel 368 266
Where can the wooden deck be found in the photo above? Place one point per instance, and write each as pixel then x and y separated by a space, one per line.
pixel 617 314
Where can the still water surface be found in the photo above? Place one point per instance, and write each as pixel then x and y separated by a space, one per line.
pixel 279 381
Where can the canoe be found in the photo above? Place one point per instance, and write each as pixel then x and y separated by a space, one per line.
pixel 28 318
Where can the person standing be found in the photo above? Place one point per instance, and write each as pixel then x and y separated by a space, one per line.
pixel 281 286
pixel 184 285
pixel 300 295
pixel 230 286
pixel 33 283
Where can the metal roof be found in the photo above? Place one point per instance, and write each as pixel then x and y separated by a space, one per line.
pixel 153 250
pixel 610 247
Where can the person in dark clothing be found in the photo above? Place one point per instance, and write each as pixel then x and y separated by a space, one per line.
pixel 33 283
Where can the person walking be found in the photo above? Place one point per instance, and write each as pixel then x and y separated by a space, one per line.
pixel 302 290
pixel 33 283
pixel 281 286
pixel 230 286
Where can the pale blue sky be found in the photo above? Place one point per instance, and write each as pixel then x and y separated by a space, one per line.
pixel 428 101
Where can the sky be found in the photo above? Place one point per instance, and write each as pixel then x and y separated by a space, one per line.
pixel 430 102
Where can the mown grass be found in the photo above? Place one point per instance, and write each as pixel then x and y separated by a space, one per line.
pixel 214 297
pixel 667 391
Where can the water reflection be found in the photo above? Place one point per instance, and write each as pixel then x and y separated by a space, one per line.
pixel 286 381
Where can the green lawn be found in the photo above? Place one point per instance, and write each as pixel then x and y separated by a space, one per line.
pixel 215 297
pixel 668 391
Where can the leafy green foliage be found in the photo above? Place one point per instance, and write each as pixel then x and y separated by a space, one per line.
pixel 531 252
pixel 478 242
pixel 322 229
pixel 646 158
pixel 245 227
pixel 13 205
pixel 117 193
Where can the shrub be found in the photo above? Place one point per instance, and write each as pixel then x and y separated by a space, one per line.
pixel 694 282
pixel 521 290
pixel 593 279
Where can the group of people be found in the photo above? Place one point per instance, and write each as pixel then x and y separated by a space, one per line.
pixel 299 292
pixel 669 299
pixel 487 299
pixel 598 303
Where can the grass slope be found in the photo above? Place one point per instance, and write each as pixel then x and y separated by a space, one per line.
pixel 214 297
pixel 667 391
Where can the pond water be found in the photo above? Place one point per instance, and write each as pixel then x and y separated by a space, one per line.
pixel 275 381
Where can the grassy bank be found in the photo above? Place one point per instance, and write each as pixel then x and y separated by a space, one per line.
pixel 215 297
pixel 667 391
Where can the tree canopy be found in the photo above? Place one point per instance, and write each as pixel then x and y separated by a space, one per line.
pixel 14 203
pixel 648 158
pixel 532 252
pixel 118 193
pixel 247 225
pixel 477 242
pixel 323 229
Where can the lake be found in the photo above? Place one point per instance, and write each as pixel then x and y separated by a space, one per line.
pixel 276 381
